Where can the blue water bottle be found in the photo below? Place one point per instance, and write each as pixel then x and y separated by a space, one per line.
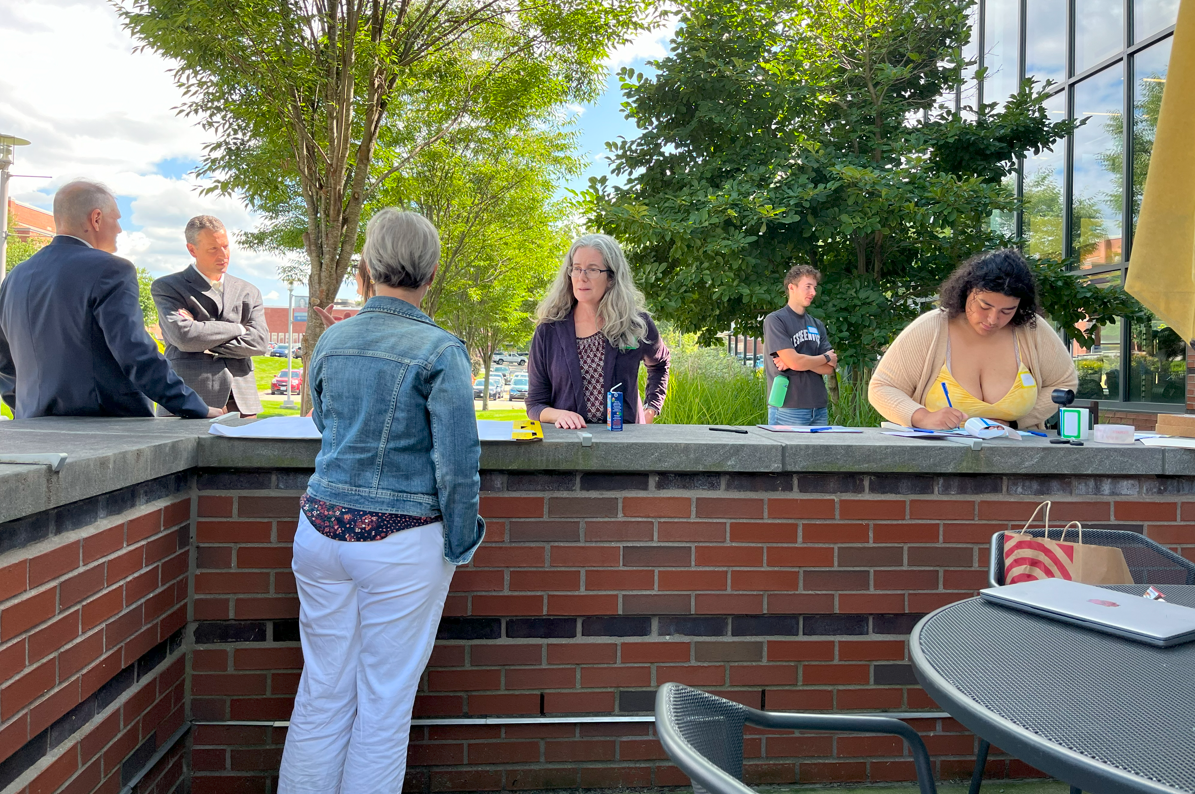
pixel 614 409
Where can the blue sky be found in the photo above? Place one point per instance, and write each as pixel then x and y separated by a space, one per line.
pixel 128 135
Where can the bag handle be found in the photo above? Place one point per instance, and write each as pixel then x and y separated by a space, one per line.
pixel 1035 512
pixel 1068 526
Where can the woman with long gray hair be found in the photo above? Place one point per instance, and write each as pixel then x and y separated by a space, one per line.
pixel 388 515
pixel 593 333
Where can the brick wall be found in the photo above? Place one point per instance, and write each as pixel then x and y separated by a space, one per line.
pixel 93 611
pixel 593 589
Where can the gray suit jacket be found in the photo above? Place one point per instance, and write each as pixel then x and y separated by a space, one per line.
pixel 213 353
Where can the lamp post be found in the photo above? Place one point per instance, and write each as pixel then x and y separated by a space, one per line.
pixel 290 340
pixel 8 144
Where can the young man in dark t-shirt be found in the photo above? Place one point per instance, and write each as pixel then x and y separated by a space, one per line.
pixel 798 348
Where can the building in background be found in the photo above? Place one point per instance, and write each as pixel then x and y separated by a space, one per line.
pixel 276 318
pixel 30 222
pixel 1108 61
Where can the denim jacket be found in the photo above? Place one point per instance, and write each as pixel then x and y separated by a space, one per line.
pixel 393 397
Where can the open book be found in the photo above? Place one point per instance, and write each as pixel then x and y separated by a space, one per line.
pixel 974 428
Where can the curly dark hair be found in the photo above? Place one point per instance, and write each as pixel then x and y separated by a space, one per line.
pixel 1004 271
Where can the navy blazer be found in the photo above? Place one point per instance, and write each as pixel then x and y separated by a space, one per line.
pixel 554 371
pixel 73 339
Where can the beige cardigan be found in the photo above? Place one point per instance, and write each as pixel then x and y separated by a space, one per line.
pixel 916 356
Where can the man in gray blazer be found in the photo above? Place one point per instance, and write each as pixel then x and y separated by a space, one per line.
pixel 213 323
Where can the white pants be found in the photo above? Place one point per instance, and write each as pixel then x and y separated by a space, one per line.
pixel 367 619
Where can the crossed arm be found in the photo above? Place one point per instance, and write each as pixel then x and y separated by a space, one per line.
pixel 186 325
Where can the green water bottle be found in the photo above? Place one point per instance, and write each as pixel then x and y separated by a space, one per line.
pixel 779 390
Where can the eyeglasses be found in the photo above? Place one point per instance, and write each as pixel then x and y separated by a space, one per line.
pixel 588 273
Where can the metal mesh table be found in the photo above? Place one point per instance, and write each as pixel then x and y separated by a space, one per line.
pixel 1099 712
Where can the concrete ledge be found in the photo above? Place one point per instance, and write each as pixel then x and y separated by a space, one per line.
pixel 106 455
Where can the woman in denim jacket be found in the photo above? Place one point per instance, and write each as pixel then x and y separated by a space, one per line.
pixel 388 515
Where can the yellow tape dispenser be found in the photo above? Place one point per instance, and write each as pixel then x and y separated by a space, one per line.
pixel 527 430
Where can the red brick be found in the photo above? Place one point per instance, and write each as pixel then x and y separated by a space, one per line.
pixel 209 661
pixel 23 615
pixel 618 530
pixel 869 746
pixel 80 586
pixel 844 532
pixel 1125 511
pixel 216 582
pixel 905 533
pixel 503 752
pixel 763 675
pixel 103 543
pixel 800 603
pixel 804 699
pixel 285 530
pixel 284 582
pixel 727 556
pixel 800 746
pixel 788 507
pixel 503 654
pixel 508 557
pixel 582 653
pixel 641 750
pixel 762 532
pixel 140 586
pixel 143 526
pixel 692 674
pixel 723 507
pixel 215 507
pixel 25 689
pixel 212 609
pixel 692 580
pixel 482 705
pixel 264 557
pixel 620 777
pixel 177 513
pixel 800 557
pixel 871 508
pixel 620 580
pixel 657 506
pixel 928 602
pixel 578 702
pixel 597 604
pixel 814 674
pixel 120 629
pixel 620 676
pixel 831 771
pixel 583 556
pixel 692 531
pixel 728 604
pixel 53 563
pixel 964 580
pixel 782 581
pixel 869 698
pixel 473 581
pixel 233 531
pixel 512 506
pixel 1188 511
pixel 592 750
pixel 640 652
pixel 12 661
pixel 54 636
pixel 464 680
pixel 971 533
pixel 941 509
pixel 1170 535
pixel 125 564
pixel 56 774
pixel 268 506
pixel 508 605
pixel 871 603
pixel 871 650
pixel 905 579
pixel 160 548
pixel 267 659
pixel 800 650
pixel 539 581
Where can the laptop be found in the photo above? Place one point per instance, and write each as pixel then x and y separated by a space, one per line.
pixel 1126 615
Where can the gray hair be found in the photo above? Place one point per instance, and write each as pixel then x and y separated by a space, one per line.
pixel 75 201
pixel 623 306
pixel 401 249
pixel 198 224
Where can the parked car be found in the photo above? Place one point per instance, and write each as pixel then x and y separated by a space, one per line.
pixel 278 351
pixel 278 384
pixel 502 372
pixel 511 358
pixel 518 388
pixel 495 387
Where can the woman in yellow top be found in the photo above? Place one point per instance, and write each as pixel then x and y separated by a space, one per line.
pixel 985 347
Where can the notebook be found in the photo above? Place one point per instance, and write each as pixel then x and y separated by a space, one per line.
pixel 1126 615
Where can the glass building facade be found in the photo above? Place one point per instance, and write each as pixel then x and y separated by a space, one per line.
pixel 1108 61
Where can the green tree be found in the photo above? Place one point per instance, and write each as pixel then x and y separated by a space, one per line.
pixel 814 131
pixel 148 308
pixel 17 251
pixel 314 106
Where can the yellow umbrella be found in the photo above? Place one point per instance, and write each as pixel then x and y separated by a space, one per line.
pixel 1162 274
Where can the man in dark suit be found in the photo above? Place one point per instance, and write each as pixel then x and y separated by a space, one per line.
pixel 213 323
pixel 72 336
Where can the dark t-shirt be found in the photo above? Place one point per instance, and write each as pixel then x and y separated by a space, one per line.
pixel 784 329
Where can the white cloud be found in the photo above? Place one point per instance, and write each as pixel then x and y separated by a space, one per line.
pixel 650 45
pixel 272 295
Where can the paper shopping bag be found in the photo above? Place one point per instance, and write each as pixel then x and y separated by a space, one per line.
pixel 1027 558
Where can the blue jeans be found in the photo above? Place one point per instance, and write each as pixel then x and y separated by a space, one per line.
pixel 798 416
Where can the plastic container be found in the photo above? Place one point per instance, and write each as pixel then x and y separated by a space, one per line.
pixel 779 390
pixel 1114 434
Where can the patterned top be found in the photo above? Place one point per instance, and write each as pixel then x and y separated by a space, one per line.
pixel 592 352
pixel 344 523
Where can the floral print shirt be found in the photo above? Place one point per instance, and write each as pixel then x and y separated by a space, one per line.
pixel 347 524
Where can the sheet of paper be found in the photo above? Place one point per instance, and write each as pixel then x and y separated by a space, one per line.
pixel 917 434
pixel 805 429
pixel 494 430
pixel 1161 441
pixel 274 427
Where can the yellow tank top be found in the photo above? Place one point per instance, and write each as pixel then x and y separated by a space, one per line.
pixel 1019 400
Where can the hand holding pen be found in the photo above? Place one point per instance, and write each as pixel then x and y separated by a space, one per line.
pixel 948 418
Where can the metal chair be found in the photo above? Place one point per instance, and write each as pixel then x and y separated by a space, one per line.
pixel 703 735
pixel 1149 563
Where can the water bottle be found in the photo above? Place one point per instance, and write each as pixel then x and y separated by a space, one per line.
pixel 779 390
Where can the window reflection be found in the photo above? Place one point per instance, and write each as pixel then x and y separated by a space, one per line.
pixel 1098 367
pixel 1001 27
pixel 1099 31
pixel 1096 198
pixel 1043 192
pixel 969 95
pixel 1149 72
pixel 1045 40
pixel 1158 367
pixel 1150 16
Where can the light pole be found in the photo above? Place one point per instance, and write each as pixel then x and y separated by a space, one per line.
pixel 290 339
pixel 8 144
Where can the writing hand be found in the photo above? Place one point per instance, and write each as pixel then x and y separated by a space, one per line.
pixel 946 419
